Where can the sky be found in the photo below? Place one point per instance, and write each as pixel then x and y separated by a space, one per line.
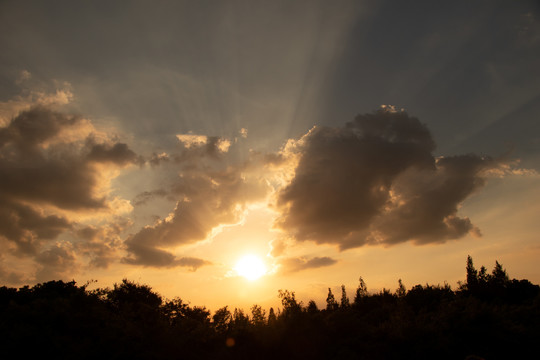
pixel 162 141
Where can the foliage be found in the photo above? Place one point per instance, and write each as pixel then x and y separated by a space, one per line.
pixel 489 316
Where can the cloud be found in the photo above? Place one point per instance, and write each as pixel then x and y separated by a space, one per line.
pixel 145 196
pixel 157 159
pixel 39 94
pixel 55 169
pixel 196 147
pixel 26 227
pixel 295 264
pixel 38 167
pixel 118 153
pixel 376 181
pixel 56 262
pixel 210 190
pixel 151 256
pixel 9 277
pixel 102 244
pixel 193 263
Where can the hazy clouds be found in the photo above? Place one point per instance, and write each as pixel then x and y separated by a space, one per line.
pixel 294 264
pixel 210 189
pixel 374 180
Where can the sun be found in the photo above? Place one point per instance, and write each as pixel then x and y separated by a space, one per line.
pixel 251 267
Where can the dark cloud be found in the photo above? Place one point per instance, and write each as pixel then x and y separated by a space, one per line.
pixel 152 256
pixel 301 263
pixel 119 154
pixel 33 127
pixel 37 165
pixel 193 263
pixel 52 167
pixel 376 180
pixel 27 228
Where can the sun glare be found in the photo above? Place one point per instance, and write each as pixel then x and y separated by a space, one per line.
pixel 251 267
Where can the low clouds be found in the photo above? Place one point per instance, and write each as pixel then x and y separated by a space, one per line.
pixel 295 264
pixel 376 181
pixel 373 181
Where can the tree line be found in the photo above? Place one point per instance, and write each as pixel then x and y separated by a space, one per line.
pixel 488 316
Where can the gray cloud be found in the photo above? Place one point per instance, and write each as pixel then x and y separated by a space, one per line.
pixel 26 228
pixel 101 244
pixel 37 166
pixel 151 256
pixel 119 154
pixel 376 180
pixel 51 166
pixel 301 263
pixel 56 262
pixel 193 263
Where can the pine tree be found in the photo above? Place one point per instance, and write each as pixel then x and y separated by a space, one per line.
pixel 361 291
pixel 401 290
pixel 472 276
pixel 344 299
pixel 331 303
pixel 271 317
pixel 499 277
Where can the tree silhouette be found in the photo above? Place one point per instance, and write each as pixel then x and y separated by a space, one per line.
pixel 344 299
pixel 472 275
pixel 221 320
pixel 361 291
pixel 258 315
pixel 401 290
pixel 331 303
pixel 495 318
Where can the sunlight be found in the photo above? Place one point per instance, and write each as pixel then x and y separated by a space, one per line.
pixel 251 267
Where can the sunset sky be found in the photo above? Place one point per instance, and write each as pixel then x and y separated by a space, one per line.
pixel 162 141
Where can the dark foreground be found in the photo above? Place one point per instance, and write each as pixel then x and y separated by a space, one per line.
pixel 488 317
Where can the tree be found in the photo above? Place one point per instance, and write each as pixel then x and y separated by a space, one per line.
pixel 331 303
pixel 258 315
pixel 288 300
pixel 344 299
pixel 222 319
pixel 499 277
pixel 240 319
pixel 401 290
pixel 472 275
pixel 129 292
pixel 361 291
pixel 174 310
pixel 271 317
pixel 483 276
pixel 312 307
